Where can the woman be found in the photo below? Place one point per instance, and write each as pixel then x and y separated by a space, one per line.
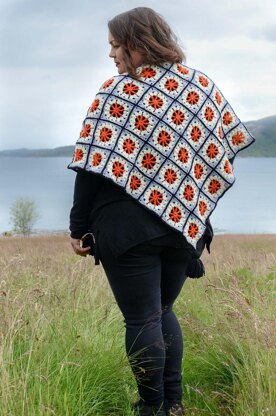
pixel 153 158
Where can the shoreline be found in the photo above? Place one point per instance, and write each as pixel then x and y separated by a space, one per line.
pixel 60 233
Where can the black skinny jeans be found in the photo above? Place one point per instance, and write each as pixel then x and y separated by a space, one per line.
pixel 146 281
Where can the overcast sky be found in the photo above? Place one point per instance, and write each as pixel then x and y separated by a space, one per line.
pixel 54 57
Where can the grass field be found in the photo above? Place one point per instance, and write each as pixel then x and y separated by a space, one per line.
pixel 62 335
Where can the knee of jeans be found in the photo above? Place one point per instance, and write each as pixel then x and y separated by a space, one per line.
pixel 166 309
pixel 148 320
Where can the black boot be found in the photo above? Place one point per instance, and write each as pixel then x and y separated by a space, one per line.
pixel 142 409
pixel 175 410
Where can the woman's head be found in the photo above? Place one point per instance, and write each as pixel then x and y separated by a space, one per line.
pixel 142 36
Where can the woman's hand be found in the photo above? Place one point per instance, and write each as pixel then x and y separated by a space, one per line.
pixel 76 245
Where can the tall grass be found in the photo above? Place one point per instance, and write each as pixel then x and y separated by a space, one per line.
pixel 62 335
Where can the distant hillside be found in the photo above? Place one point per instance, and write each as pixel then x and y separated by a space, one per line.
pixel 264 130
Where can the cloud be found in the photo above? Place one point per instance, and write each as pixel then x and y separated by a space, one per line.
pixel 270 32
pixel 50 36
pixel 65 33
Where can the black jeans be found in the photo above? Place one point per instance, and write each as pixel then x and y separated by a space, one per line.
pixel 146 281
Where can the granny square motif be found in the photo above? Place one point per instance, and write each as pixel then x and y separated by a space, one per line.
pixel 167 138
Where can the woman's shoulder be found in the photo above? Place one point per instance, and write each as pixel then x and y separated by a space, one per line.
pixel 152 73
pixel 167 81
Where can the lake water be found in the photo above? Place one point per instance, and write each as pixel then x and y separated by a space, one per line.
pixel 248 207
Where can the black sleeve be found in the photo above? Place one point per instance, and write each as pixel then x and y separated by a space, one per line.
pixel 86 187
pixel 205 240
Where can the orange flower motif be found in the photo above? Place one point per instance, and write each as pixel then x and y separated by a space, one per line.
pixel 214 186
pixel 116 110
pixel 198 171
pixel 227 167
pixel 178 117
pixel 170 176
pixel 155 101
pixel 156 197
pixel 85 131
pixel 135 183
pixel 148 72
pixel 202 207
pixel 209 113
pixel 141 123
pixel 171 85
pixel 189 193
pixel 192 97
pixel 164 138
pixel 238 138
pixel 107 84
pixel 96 159
pixel 204 81
pixel 148 161
pixel 175 214
pixel 196 133
pixel 218 98
pixel 130 88
pixel 105 134
pixel 183 155
pixel 182 69
pixel 94 106
pixel 129 146
pixel 193 230
pixel 212 150
pixel 227 118
pixel 118 169
pixel 78 155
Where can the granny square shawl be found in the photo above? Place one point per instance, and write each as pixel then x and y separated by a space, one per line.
pixel 167 139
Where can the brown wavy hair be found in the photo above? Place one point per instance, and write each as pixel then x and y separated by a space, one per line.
pixel 142 29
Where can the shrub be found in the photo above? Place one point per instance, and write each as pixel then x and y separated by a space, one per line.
pixel 23 215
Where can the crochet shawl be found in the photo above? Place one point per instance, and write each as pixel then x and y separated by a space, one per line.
pixel 168 139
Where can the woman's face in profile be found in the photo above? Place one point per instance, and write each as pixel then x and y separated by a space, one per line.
pixel 117 54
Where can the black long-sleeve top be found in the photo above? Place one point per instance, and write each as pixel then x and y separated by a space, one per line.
pixel 103 207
